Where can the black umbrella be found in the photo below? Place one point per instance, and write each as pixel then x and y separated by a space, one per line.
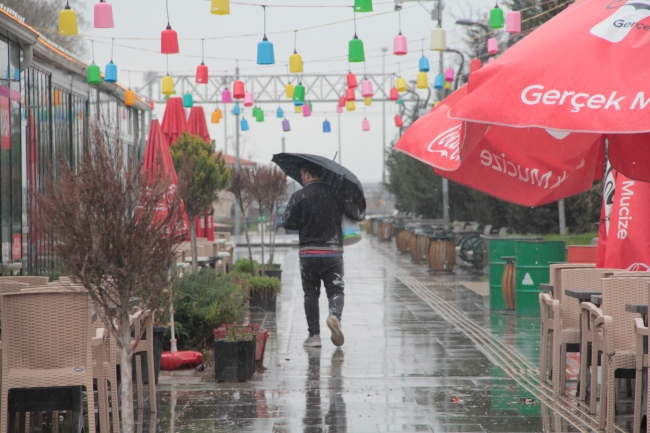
pixel 334 174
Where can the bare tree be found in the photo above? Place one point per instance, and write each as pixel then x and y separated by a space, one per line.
pixel 260 190
pixel 277 185
pixel 241 188
pixel 111 237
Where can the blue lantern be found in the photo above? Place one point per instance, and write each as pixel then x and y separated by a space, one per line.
pixel 110 75
pixel 279 114
pixel 244 124
pixel 265 55
pixel 188 100
pixel 326 126
pixel 439 82
pixel 236 110
pixel 424 64
pixel 399 101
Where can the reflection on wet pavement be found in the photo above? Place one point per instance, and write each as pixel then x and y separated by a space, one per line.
pixel 405 366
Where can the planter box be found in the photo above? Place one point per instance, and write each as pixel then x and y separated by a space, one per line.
pixel 262 300
pixel 234 361
pixel 261 337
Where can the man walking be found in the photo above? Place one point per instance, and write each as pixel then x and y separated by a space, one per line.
pixel 316 211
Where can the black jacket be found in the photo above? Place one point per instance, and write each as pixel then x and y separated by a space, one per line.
pixel 316 212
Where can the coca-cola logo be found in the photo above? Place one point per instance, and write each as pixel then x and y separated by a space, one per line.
pixel 447 143
pixel 638 267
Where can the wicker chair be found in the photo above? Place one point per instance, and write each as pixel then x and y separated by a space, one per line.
pixel 549 311
pixel 54 350
pixel 618 342
pixel 145 347
pixel 31 280
pixel 642 362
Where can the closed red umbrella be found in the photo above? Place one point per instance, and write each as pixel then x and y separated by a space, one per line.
pixel 174 123
pixel 196 123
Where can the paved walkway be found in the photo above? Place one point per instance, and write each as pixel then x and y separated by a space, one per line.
pixel 422 353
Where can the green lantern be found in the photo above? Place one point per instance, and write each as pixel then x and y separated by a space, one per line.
pixel 260 115
pixel 94 74
pixel 363 5
pixel 496 17
pixel 355 50
pixel 188 100
pixel 299 94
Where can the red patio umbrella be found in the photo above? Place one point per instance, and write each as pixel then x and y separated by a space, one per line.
pixel 174 123
pixel 196 123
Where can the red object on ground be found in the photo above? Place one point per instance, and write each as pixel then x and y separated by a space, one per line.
pixel 174 123
pixel 196 123
pixel 209 225
pixel 158 163
pixel 182 359
pixel 582 253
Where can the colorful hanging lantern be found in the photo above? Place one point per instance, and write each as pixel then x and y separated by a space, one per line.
pixel 151 105
pixel 220 7
pixel 215 117
pixel 365 125
pixel 279 113
pixel 236 110
pixel 422 81
pixel 169 41
pixel 188 100
pixel 355 50
pixel 94 74
pixel 423 64
pixel 400 101
pixel 352 80
pixel 129 98
pixel 496 17
pixel 248 99
pixel 220 113
pixel 400 45
pixel 447 85
pixel 295 63
pixel 297 109
pixel 260 115
pixel 350 95
pixel 326 126
pixel 286 127
pixel 67 21
pixel 438 39
pixel 366 88
pixel 438 82
pixel 103 15
pixel 349 105
pixel 449 75
pixel 168 85
pixel 306 110
pixel 202 74
pixel 299 94
pixel 367 101
pixel 493 46
pixel 363 5
pixel 401 85
pixel 238 90
pixel 226 96
pixel 288 89
pixel 342 101
pixel 265 54
pixel 398 121
pixel 394 94
pixel 339 109
pixel 244 124
pixel 513 22
pixel 475 65
pixel 110 74
pixel 255 110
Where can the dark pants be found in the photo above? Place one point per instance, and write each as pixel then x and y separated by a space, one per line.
pixel 330 271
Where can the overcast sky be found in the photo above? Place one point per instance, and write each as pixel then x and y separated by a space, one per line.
pixel 137 48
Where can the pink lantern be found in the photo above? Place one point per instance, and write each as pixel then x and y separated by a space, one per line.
pixel 352 81
pixel 350 95
pixel 449 75
pixel 493 46
pixel 103 15
pixel 339 109
pixel 306 110
pixel 475 65
pixel 513 22
pixel 398 121
pixel 366 88
pixel 365 125
pixel 342 101
pixel 248 100
pixel 400 46
pixel 226 96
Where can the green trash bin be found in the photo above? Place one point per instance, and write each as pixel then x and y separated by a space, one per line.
pixel 533 263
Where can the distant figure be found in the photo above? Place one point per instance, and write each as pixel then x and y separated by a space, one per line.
pixel 316 211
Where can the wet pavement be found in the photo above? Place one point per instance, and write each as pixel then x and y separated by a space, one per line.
pixel 422 353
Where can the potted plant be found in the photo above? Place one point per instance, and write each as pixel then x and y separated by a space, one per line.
pixel 234 355
pixel 261 337
pixel 263 292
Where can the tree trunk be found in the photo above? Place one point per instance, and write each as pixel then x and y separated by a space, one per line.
pixel 263 273
pixel 126 376
pixel 272 231
pixel 195 259
pixel 248 243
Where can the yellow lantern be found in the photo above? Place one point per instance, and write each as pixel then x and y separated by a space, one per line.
pixel 168 85
pixel 367 101
pixel 67 22
pixel 447 85
pixel 298 109
pixel 349 105
pixel 423 81
pixel 401 85
pixel 289 90
pixel 129 98
pixel 215 116
pixel 295 63
pixel 220 7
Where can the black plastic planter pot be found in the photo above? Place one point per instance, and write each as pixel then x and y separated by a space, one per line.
pixel 275 273
pixel 234 361
pixel 263 300
pixel 158 337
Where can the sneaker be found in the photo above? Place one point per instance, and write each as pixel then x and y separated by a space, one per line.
pixel 312 341
pixel 337 335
